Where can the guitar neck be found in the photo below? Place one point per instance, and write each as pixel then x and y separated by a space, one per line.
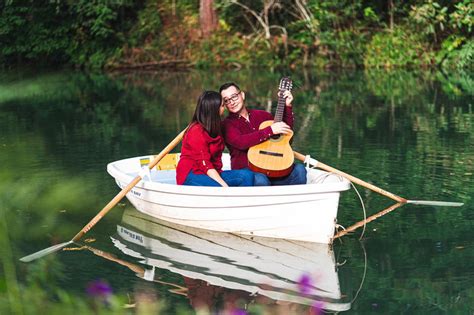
pixel 280 109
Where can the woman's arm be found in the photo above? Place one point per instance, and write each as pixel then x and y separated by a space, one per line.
pixel 212 173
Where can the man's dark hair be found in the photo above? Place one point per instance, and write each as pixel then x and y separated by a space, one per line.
pixel 227 85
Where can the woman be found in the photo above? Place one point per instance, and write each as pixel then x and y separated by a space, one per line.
pixel 200 163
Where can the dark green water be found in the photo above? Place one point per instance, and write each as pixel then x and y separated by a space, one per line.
pixel 409 133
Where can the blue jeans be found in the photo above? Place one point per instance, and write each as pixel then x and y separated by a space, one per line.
pixel 296 177
pixel 232 178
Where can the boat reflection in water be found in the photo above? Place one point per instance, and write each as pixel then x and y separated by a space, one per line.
pixel 222 268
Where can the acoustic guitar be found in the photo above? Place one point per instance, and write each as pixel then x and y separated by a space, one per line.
pixel 274 157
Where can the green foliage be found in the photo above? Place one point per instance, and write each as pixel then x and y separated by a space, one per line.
pixel 397 48
pixel 349 48
pixel 234 52
pixel 30 31
pixel 456 53
pixel 457 49
pixel 370 15
pixel 462 18
pixel 450 27
pixel 438 22
pixel 335 15
pixel 97 34
pixel 147 26
pixel 82 33
pixel 431 18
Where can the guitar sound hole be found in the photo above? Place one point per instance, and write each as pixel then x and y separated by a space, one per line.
pixel 275 137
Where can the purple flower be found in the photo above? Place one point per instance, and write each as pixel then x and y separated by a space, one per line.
pixel 305 283
pixel 238 311
pixel 99 289
pixel 317 307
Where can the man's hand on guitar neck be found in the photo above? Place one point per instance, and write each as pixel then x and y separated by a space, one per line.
pixel 280 128
pixel 288 97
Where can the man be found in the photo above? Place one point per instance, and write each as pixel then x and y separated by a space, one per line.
pixel 241 131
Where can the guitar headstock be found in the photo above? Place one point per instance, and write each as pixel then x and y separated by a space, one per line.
pixel 285 84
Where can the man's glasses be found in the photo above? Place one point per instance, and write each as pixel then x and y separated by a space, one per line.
pixel 233 98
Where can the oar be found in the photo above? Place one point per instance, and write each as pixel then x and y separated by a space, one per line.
pixel 108 207
pixel 358 181
pixel 369 219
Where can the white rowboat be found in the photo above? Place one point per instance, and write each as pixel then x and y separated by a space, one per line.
pixel 299 212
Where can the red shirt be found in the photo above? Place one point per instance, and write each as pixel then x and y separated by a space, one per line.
pixel 241 134
pixel 199 153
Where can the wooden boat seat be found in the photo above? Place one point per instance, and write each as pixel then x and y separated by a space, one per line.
pixel 168 162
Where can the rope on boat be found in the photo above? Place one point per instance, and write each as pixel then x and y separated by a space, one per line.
pixel 344 230
pixel 340 226
pixel 307 161
pixel 363 209
pixel 312 163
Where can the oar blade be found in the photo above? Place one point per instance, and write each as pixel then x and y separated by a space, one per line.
pixel 44 252
pixel 436 203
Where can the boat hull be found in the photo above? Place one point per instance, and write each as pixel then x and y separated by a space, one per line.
pixel 299 212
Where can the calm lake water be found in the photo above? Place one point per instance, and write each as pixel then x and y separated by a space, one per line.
pixel 409 133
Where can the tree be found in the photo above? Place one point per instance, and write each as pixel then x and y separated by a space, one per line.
pixel 207 17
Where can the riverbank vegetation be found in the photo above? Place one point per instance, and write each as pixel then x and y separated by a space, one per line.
pixel 152 34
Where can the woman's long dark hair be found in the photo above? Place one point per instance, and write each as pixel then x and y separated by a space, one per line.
pixel 207 112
